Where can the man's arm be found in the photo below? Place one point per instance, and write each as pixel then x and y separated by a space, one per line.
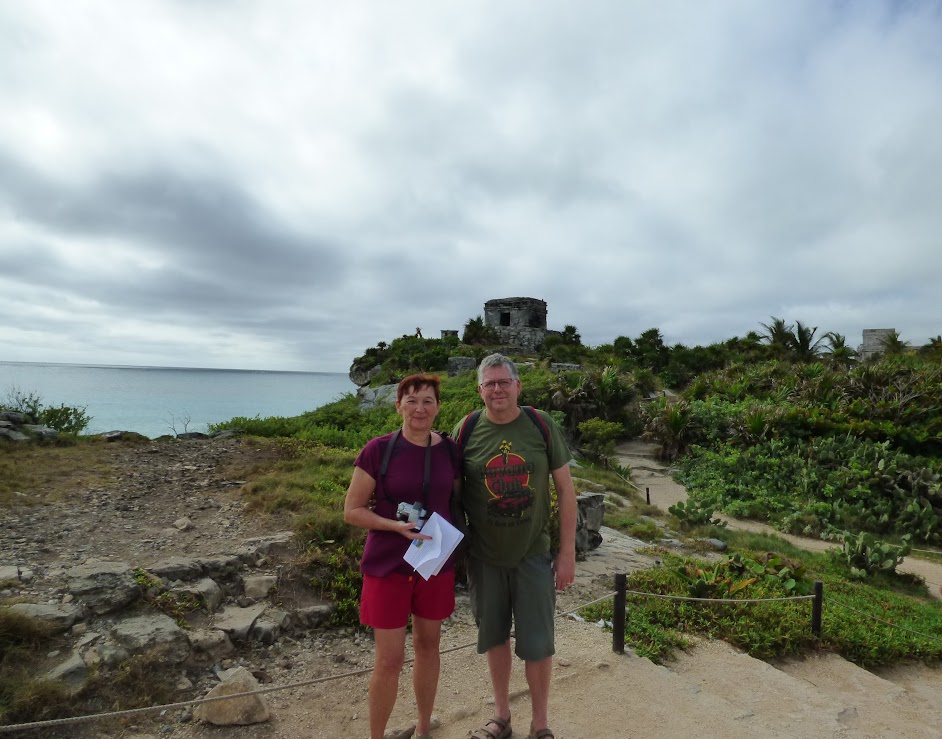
pixel 565 565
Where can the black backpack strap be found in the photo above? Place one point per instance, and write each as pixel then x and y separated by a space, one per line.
pixel 538 422
pixel 387 454
pixel 384 465
pixel 464 433
pixel 470 421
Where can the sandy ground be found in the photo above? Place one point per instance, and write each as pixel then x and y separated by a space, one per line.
pixel 711 691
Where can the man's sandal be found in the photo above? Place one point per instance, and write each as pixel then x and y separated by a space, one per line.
pixel 542 734
pixel 505 731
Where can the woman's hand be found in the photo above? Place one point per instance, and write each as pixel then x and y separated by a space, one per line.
pixel 407 529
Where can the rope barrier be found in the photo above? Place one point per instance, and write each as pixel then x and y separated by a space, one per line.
pixel 883 621
pixel 314 681
pixel 50 723
pixel 721 600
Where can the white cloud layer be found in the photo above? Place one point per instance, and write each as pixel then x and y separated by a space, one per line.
pixel 281 185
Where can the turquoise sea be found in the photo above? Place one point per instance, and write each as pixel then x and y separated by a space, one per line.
pixel 154 400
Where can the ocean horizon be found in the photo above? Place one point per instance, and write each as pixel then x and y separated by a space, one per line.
pixel 154 400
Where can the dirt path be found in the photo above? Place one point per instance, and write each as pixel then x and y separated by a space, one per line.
pixel 654 478
pixel 712 690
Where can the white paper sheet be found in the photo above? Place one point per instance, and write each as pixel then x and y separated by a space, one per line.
pixel 428 556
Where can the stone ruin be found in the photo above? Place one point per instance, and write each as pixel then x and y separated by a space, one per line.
pixel 519 322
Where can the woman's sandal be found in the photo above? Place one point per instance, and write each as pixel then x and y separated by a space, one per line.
pixel 484 733
pixel 542 734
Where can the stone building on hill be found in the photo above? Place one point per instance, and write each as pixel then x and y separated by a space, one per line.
pixel 520 322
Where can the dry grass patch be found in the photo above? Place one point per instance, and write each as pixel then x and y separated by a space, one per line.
pixel 31 474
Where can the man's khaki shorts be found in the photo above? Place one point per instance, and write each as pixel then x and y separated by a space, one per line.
pixel 525 594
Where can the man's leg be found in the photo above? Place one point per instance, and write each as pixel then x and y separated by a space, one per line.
pixel 499 662
pixel 384 683
pixel 539 675
pixel 426 637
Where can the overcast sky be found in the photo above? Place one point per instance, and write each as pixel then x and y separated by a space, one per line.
pixel 280 185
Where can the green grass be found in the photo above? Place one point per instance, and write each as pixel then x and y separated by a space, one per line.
pixel 657 627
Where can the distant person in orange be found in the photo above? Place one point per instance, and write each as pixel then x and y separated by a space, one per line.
pixel 398 481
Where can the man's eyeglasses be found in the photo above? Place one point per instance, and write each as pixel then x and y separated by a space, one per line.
pixel 491 384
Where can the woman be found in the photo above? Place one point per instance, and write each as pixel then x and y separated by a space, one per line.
pixel 411 465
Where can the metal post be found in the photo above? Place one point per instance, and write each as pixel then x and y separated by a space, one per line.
pixel 618 619
pixel 647 493
pixel 816 608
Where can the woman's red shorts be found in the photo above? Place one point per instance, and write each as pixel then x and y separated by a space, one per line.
pixel 386 602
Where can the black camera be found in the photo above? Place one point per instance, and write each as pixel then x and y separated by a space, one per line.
pixel 414 513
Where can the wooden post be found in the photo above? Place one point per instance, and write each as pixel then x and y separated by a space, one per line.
pixel 618 619
pixel 817 607
pixel 647 493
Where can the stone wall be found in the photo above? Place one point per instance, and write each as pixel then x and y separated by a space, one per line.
pixel 873 339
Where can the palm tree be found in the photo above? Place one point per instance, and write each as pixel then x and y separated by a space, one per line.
pixel 893 345
pixel 804 344
pixel 934 347
pixel 778 336
pixel 838 353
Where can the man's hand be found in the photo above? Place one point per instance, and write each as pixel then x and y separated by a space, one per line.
pixel 565 569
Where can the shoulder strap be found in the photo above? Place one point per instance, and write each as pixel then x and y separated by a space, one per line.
pixel 538 422
pixel 470 421
pixel 464 433
pixel 388 453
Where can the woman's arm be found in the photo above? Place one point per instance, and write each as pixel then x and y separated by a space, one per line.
pixel 357 512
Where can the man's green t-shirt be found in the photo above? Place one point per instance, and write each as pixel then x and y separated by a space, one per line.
pixel 506 487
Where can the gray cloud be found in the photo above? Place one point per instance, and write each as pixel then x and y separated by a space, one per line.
pixel 282 188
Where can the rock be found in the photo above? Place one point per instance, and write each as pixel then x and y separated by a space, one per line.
pixel 57 617
pixel 213 643
pixel 361 377
pixel 158 633
pixel 183 524
pixel 227 433
pixel 103 586
pixel 282 544
pixel 237 622
pixel 268 628
pixel 313 616
pixel 206 590
pixel 9 573
pixel 593 504
pixel 259 586
pixel 457 365
pixel 716 544
pixel 13 435
pixel 192 435
pixel 374 397
pixel 238 711
pixel 43 433
pixel 73 672
pixel 177 568
pixel 15 417
pixel 221 566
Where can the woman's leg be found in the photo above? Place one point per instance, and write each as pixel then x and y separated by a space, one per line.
pixel 384 682
pixel 426 637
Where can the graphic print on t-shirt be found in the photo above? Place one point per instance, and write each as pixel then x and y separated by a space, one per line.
pixel 507 477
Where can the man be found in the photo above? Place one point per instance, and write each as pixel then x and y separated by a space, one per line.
pixel 509 456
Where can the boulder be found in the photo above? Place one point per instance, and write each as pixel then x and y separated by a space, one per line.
pixel 58 617
pixel 158 633
pixel 103 586
pixel 252 709
pixel 373 397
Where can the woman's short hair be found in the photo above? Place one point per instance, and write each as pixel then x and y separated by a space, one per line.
pixel 413 383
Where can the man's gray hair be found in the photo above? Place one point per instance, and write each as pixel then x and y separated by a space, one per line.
pixel 497 360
